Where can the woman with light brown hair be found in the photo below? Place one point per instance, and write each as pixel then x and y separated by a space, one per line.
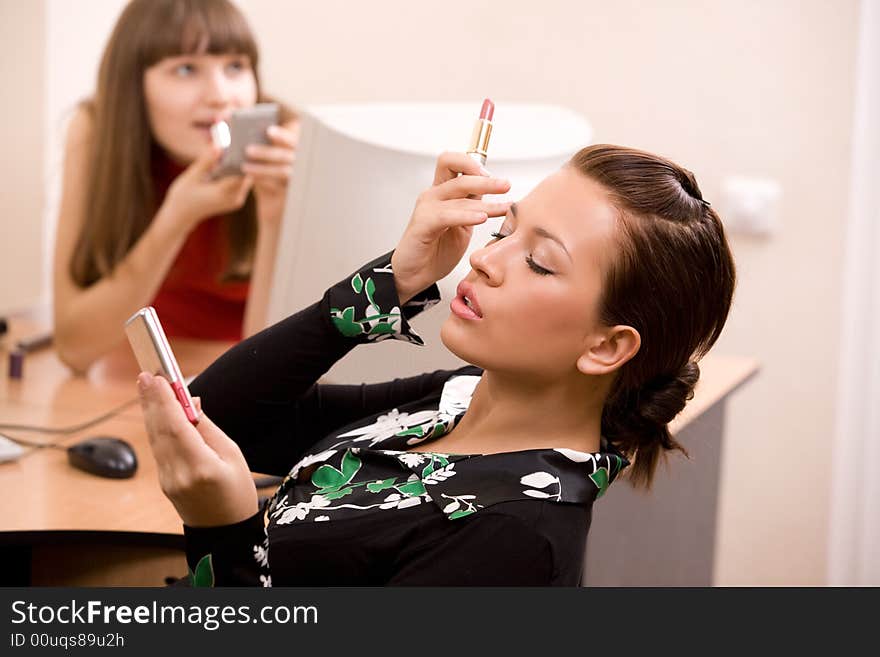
pixel 141 220
pixel 583 320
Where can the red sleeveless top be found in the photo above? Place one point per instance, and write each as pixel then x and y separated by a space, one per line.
pixel 193 302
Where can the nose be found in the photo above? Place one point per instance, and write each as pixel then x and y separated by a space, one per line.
pixel 217 87
pixel 488 261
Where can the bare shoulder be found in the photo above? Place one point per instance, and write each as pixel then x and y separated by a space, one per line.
pixel 81 129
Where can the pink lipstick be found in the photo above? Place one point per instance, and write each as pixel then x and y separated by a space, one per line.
pixel 465 303
pixel 479 146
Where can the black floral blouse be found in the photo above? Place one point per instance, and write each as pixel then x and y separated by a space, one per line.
pixel 355 508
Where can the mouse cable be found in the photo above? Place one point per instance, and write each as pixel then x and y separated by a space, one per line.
pixel 71 429
pixel 31 443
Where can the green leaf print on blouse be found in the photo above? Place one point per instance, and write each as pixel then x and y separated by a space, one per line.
pixel 454 509
pixel 327 477
pixel 412 488
pixel 602 475
pixel 333 483
pixel 601 479
pixel 375 324
pixel 357 283
pixel 435 459
pixel 203 577
pixel 344 322
pixel 379 486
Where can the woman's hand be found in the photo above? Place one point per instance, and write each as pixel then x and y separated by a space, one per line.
pixel 442 222
pixel 201 470
pixel 270 166
pixel 194 196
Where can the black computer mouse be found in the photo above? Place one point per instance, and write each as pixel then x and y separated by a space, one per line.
pixel 104 456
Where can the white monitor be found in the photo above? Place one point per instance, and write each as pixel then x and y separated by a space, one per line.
pixel 358 171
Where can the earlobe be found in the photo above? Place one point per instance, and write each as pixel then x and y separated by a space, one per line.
pixel 611 351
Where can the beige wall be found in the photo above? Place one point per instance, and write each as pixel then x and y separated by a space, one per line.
pixel 22 33
pixel 754 88
pixel 726 88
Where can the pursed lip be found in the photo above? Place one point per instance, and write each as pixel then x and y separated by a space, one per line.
pixel 465 289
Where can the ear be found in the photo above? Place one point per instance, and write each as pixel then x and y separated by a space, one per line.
pixel 610 350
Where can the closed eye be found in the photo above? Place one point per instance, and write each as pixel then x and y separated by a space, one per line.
pixel 534 266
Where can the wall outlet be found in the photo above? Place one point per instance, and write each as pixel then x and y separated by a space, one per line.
pixel 750 206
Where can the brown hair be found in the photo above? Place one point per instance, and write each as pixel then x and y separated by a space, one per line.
pixel 120 197
pixel 672 280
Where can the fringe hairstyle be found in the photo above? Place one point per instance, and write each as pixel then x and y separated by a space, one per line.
pixel 120 198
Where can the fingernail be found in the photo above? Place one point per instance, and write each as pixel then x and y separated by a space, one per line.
pixel 144 381
pixel 485 171
pixel 272 129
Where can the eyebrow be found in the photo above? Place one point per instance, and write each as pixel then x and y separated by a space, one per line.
pixel 540 232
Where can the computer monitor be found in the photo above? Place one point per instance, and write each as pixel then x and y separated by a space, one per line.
pixel 358 171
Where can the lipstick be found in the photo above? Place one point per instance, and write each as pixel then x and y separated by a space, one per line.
pixel 479 146
pixel 220 134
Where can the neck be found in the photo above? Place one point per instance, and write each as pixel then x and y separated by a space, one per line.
pixel 507 413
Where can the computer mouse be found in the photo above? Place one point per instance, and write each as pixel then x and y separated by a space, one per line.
pixel 104 456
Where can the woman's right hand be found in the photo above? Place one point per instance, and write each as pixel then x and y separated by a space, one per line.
pixel 194 196
pixel 201 469
pixel 442 222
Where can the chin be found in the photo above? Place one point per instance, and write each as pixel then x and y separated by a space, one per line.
pixel 522 360
pixel 467 348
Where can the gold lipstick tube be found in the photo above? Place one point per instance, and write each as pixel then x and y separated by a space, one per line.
pixel 479 146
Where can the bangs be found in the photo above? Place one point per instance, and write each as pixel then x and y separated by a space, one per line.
pixel 197 27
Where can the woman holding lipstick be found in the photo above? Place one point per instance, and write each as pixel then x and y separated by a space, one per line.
pixel 141 222
pixel 582 318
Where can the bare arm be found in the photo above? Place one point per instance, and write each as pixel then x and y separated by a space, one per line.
pixel 89 321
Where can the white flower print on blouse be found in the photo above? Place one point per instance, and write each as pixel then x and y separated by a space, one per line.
pixel 454 400
pixel 309 460
pixel 301 509
pixel 542 480
pixel 391 424
pixel 411 459
pixel 261 555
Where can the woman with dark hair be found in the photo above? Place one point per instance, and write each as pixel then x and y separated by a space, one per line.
pixel 583 320
pixel 141 221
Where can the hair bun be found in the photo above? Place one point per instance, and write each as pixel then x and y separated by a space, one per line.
pixel 665 396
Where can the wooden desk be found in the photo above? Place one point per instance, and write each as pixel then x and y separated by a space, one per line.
pixel 73 527
pixel 128 533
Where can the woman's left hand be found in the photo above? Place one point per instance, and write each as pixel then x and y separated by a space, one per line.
pixel 270 166
pixel 201 470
